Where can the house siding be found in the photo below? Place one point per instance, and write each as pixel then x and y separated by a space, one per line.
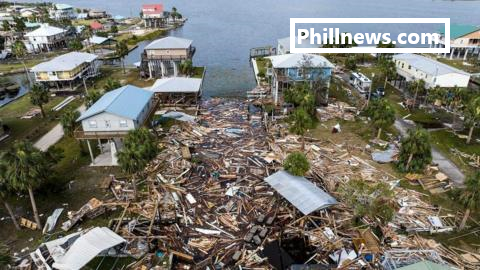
pixel 107 122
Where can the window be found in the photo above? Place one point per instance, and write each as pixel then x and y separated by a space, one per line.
pixel 92 124
pixel 107 123
pixel 409 67
pixel 123 123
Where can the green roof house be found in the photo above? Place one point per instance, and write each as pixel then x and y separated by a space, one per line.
pixel 464 41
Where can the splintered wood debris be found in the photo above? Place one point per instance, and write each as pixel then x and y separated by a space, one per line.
pixel 205 203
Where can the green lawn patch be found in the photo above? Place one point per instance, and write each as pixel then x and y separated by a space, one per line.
pixel 263 64
pixel 31 129
pixel 457 63
pixel 445 140
pixel 198 72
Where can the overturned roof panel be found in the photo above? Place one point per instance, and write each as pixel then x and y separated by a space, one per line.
pixel 87 247
pixel 300 192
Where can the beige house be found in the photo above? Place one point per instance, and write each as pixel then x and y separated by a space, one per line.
pixel 162 57
pixel 68 71
pixel 464 41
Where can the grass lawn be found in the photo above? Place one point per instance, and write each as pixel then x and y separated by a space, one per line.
pixel 30 129
pixel 134 40
pixel 457 63
pixel 198 72
pixel 131 76
pixel 445 140
pixel 72 186
pixel 18 67
pixel 358 134
pixel 263 64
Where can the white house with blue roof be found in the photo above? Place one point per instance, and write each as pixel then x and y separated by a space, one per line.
pixel 119 110
pixel 113 115
pixel 289 69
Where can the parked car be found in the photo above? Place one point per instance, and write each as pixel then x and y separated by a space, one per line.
pixel 378 93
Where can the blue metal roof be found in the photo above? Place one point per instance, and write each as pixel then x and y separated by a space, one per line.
pixel 127 101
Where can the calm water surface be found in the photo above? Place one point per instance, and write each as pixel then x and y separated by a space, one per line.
pixel 224 31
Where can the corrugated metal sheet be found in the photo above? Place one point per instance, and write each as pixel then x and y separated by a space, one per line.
pixel 87 247
pixel 300 192
pixel 127 101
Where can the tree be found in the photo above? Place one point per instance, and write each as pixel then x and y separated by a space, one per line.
pixel 416 87
pixel 114 29
pixel 139 148
pixel 371 200
pixel 3 195
pixel 300 123
pixel 300 95
pixel 5 256
pixel 6 26
pixel 92 97
pixel 174 14
pixel 121 49
pixel 68 120
pixel 381 114
pixel 19 24
pixel 382 44
pixel 388 69
pixel 39 97
pixel 186 67
pixel 415 151
pixel 75 45
pixel 111 84
pixel 472 116
pixel 19 50
pixel 26 169
pixel 469 197
pixel 296 163
pixel 351 63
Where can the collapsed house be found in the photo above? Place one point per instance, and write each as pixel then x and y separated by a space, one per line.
pixel 216 196
pixel 76 250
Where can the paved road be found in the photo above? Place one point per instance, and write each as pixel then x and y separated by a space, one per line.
pixel 444 164
pixel 53 136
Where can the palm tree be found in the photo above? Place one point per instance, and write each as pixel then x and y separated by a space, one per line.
pixel 6 26
pixel 470 196
pixel 139 149
pixel 121 49
pixel 417 87
pixel 111 84
pixel 3 194
pixel 388 69
pixel 26 169
pixel 186 67
pixel 19 50
pixel 472 116
pixel 39 97
pixel 92 97
pixel 415 151
pixel 300 123
pixel 68 120
pixel 19 24
pixel 174 14
pixel 381 114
